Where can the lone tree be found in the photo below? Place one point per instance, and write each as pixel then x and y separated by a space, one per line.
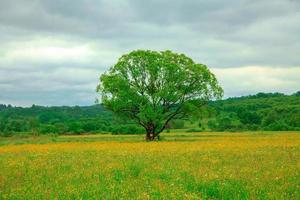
pixel 153 88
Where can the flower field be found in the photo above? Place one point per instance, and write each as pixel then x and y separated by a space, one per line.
pixel 262 165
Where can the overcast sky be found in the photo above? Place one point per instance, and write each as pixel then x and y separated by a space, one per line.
pixel 52 52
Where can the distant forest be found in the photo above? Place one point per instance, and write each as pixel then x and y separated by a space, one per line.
pixel 263 111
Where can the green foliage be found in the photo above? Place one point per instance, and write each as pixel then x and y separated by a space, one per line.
pixel 278 125
pixel 127 129
pixel 263 111
pixel 47 128
pixel 177 124
pixel 194 130
pixel 56 120
pixel 258 112
pixel 154 87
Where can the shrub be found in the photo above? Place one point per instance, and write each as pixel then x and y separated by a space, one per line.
pixel 127 129
pixel 6 134
pixel 194 130
pixel 278 126
pixel 47 128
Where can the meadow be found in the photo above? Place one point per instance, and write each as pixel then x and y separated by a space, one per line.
pixel 207 165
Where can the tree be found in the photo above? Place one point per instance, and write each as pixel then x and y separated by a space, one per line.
pixel 154 87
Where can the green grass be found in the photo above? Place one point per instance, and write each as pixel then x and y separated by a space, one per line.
pixel 259 165
pixel 175 135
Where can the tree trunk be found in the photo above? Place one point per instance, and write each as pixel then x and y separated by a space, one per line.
pixel 150 135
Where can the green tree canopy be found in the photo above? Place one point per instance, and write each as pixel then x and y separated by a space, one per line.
pixel 154 87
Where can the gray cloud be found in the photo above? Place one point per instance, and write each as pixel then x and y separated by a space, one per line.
pixel 52 51
pixel 252 79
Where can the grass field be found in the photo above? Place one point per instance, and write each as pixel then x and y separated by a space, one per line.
pixel 262 165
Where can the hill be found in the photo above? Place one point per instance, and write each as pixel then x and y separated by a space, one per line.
pixel 263 111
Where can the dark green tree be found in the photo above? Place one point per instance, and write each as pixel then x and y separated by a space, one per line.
pixel 154 87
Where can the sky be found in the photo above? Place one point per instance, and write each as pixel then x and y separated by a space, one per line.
pixel 52 52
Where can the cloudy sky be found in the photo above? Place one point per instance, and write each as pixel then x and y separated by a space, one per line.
pixel 53 51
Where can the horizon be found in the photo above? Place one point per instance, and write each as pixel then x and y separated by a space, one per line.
pixel 95 104
pixel 53 52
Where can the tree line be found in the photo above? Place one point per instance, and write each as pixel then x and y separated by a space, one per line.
pixel 263 111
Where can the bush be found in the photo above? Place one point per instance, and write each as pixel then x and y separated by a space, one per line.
pixel 127 129
pixel 194 130
pixel 61 128
pixel 47 128
pixel 278 126
pixel 6 134
pixel 75 127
